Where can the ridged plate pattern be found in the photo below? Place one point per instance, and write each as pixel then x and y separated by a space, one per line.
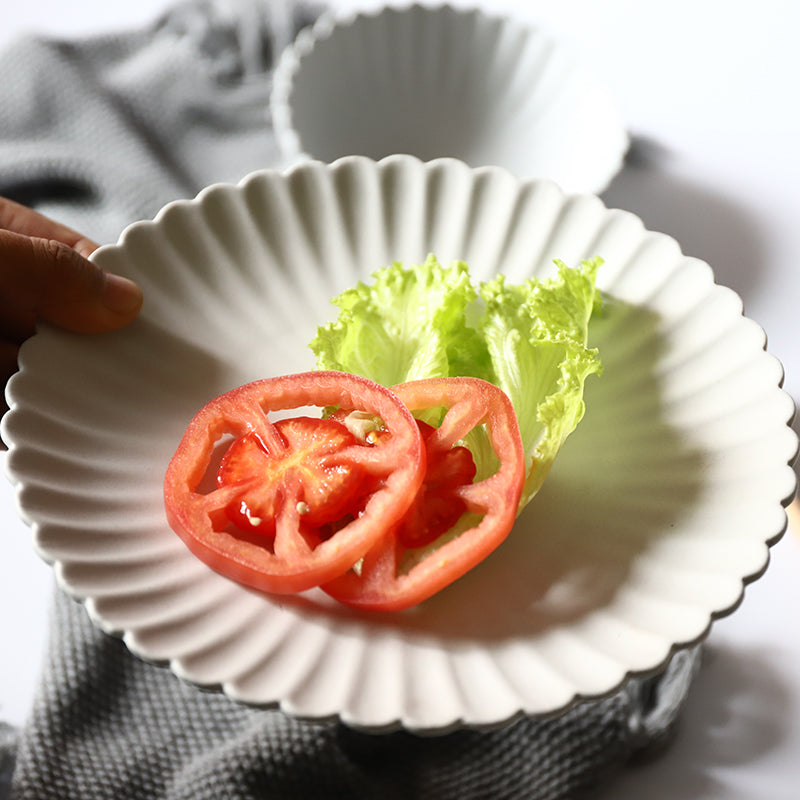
pixel 437 81
pixel 659 509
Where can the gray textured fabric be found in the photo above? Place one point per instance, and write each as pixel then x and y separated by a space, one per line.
pixel 103 132
pixel 108 725
pixel 99 133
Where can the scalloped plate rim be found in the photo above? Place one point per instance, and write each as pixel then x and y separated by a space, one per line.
pixel 6 427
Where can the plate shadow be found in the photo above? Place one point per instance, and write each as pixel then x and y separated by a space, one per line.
pixel 708 225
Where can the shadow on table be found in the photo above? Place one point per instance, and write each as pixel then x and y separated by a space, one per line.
pixel 738 709
pixel 705 223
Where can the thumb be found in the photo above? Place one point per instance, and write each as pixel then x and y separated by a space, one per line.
pixel 57 284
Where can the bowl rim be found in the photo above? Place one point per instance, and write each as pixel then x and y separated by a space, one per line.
pixel 290 145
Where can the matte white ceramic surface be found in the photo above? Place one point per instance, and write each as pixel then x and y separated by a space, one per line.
pixel 438 81
pixel 658 511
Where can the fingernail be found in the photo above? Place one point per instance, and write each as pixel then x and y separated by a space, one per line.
pixel 120 295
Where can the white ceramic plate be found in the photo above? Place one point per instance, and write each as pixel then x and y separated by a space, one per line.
pixel 658 511
pixel 440 81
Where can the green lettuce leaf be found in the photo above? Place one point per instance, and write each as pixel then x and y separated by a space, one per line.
pixel 428 321
pixel 537 334
pixel 406 325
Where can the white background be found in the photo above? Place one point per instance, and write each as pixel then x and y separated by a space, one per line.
pixel 712 87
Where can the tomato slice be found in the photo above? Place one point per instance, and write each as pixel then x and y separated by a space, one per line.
pixel 396 573
pixel 298 471
pixel 438 505
pixel 297 501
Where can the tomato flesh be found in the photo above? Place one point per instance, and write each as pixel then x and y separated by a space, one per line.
pixel 378 508
pixel 383 583
pixel 302 549
pixel 437 506
pixel 294 469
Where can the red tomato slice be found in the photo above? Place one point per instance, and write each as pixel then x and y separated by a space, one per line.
pixel 436 508
pixel 438 505
pixel 383 581
pixel 290 470
pixel 299 470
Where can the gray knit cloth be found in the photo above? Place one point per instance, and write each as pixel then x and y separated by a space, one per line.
pixel 99 133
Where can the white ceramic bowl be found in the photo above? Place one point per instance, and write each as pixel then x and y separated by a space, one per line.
pixel 436 81
pixel 659 509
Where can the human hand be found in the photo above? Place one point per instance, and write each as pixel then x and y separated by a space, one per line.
pixel 45 274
